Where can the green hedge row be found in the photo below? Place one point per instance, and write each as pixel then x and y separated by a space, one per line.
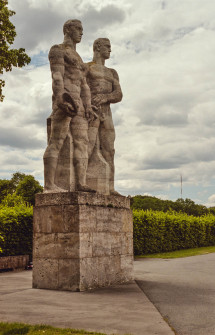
pixel 159 232
pixel 153 231
pixel 16 229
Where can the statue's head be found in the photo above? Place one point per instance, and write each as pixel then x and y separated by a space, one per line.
pixel 103 47
pixel 73 29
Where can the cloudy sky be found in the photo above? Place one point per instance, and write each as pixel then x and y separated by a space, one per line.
pixel 163 51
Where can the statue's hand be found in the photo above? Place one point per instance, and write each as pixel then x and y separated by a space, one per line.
pixel 99 99
pixel 67 104
pixel 91 113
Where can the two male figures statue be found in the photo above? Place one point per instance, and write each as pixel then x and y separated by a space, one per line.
pixel 82 94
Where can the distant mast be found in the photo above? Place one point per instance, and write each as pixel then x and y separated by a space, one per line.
pixel 181 186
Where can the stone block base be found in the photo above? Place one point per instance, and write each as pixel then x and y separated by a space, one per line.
pixel 82 241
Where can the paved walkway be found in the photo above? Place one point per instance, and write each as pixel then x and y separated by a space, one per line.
pixel 120 310
pixel 183 290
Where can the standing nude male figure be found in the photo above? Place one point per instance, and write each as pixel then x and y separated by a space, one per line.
pixel 71 108
pixel 105 89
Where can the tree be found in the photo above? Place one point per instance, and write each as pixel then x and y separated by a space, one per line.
pixel 6 187
pixel 9 57
pixel 27 188
pixel 185 206
pixel 9 186
pixel 17 177
pixel 19 186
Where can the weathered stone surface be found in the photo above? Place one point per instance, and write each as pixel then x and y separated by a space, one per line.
pixel 105 90
pixel 86 245
pixel 82 198
pixel 98 171
pixel 70 214
pixel 91 247
pixel 48 219
pixel 127 243
pixel 126 266
pixel 89 273
pixel 56 245
pixel 69 274
pixel 81 135
pixel 66 156
pixel 87 218
pixel 65 172
pixel 82 226
pixel 45 273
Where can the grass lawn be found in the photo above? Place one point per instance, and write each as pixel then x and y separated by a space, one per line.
pixel 181 253
pixel 25 329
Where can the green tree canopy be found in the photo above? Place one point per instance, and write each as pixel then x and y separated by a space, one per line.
pixel 9 57
pixel 181 205
pixel 20 186
pixel 27 188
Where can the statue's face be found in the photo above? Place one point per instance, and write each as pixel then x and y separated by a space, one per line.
pixel 105 49
pixel 76 32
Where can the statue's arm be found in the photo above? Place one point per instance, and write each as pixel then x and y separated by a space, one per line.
pixel 85 94
pixel 56 59
pixel 63 99
pixel 86 99
pixel 116 94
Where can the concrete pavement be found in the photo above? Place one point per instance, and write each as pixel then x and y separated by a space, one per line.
pixel 183 290
pixel 120 309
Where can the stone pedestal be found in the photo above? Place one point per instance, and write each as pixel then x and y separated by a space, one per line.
pixel 82 241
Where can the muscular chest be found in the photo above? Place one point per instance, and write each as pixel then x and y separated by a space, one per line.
pixel 100 73
pixel 73 60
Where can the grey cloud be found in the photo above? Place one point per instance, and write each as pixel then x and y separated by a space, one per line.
pixel 94 19
pixel 183 31
pixel 43 26
pixel 171 156
pixel 14 159
pixel 167 110
pixel 117 116
pixel 163 5
pixel 19 138
pixel 34 25
pixel 39 118
pixel 160 163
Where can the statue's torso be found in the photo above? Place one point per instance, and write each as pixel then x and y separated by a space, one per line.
pixel 100 79
pixel 72 66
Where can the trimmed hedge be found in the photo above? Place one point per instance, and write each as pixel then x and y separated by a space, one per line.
pixel 160 232
pixel 16 230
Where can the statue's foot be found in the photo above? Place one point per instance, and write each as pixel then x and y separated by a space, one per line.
pixel 85 188
pixel 113 192
pixel 53 189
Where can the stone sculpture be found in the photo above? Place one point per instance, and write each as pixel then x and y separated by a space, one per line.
pixel 71 108
pixel 105 89
pixel 75 86
pixel 82 239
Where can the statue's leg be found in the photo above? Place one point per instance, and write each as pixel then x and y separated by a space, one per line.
pixel 79 130
pixel 59 130
pixel 107 138
pixel 92 135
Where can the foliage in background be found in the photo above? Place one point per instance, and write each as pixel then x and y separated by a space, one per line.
pixel 27 188
pixel 16 229
pixel 9 57
pixel 181 205
pixel 156 231
pixel 21 184
pixel 16 214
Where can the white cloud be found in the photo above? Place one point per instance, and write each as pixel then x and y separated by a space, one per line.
pixel 163 52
